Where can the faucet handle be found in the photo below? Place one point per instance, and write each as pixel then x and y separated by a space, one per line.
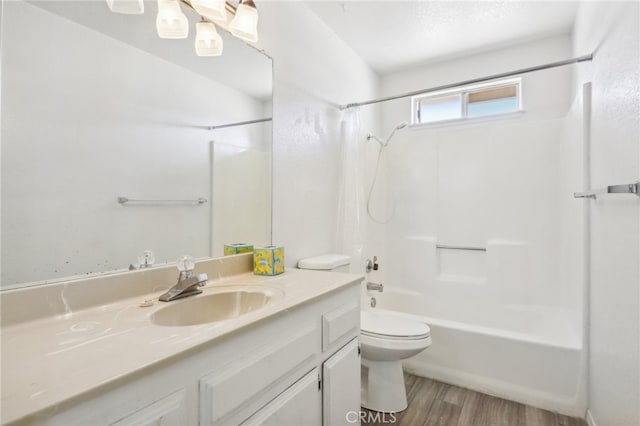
pixel 185 264
pixel 372 265
pixel 146 260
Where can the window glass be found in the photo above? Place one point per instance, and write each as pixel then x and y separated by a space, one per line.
pixel 481 100
pixel 498 106
pixel 440 108
pixel 500 100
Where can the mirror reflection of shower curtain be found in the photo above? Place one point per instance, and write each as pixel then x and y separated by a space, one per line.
pixel 350 230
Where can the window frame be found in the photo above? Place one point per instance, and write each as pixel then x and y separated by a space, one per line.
pixel 464 92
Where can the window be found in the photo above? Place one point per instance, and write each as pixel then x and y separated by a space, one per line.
pixel 481 100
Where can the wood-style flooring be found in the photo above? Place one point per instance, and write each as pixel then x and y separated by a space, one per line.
pixel 433 403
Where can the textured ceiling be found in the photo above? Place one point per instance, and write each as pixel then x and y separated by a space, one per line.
pixel 395 35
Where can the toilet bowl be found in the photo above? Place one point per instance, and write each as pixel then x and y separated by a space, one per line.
pixel 385 340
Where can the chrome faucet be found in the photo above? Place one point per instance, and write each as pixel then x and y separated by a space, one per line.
pixel 188 284
pixel 375 286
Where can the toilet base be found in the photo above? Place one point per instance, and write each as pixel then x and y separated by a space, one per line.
pixel 383 386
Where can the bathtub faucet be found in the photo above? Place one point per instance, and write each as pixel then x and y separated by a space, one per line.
pixel 375 286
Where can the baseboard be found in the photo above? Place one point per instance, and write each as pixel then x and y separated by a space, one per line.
pixel 589 419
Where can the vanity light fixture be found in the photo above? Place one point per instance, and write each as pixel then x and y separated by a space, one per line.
pixel 171 22
pixel 128 7
pixel 208 41
pixel 213 10
pixel 245 23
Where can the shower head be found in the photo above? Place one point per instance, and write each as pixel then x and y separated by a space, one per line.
pixel 382 143
pixel 400 126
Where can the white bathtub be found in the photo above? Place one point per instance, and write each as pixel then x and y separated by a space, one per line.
pixel 527 354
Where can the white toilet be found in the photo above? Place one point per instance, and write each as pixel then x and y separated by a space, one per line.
pixel 385 340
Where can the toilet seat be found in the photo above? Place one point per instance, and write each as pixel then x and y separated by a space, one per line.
pixel 392 327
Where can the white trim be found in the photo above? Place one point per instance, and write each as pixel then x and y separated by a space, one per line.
pixel 467 121
pixel 471 88
pixel 589 419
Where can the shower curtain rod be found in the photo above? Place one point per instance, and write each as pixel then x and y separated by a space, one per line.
pixel 475 80
pixel 240 123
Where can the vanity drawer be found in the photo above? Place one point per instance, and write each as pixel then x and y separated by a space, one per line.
pixel 171 409
pixel 340 325
pixel 226 392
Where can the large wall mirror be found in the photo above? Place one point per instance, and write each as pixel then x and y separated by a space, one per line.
pixel 96 107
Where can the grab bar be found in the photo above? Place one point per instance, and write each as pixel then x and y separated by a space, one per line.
pixel 125 200
pixel 629 188
pixel 455 247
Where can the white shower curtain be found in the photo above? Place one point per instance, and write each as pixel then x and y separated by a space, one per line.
pixel 350 221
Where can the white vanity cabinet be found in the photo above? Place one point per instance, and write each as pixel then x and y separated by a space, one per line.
pixel 341 386
pixel 297 367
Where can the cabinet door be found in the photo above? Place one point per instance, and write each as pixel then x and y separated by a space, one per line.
pixel 341 386
pixel 297 406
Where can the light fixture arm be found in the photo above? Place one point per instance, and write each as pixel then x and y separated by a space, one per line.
pixel 230 8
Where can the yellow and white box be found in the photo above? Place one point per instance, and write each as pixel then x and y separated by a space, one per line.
pixel 237 248
pixel 268 260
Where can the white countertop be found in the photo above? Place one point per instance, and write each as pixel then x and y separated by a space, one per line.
pixel 51 360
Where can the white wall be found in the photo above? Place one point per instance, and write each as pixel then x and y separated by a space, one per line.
pixel 74 139
pixel 314 72
pixel 611 30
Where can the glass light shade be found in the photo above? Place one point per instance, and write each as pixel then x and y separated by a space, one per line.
pixel 211 9
pixel 128 7
pixel 171 22
pixel 245 24
pixel 208 41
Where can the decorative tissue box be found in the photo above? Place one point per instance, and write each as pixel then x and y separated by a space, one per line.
pixel 268 260
pixel 237 248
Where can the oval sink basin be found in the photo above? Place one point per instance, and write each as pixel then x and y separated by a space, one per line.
pixel 221 305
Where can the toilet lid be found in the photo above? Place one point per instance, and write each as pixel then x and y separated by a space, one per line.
pixel 326 262
pixel 391 326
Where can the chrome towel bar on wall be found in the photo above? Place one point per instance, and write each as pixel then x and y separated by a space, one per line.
pixel 456 247
pixel 629 188
pixel 125 200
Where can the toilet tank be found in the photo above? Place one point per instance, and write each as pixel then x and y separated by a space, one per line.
pixel 326 262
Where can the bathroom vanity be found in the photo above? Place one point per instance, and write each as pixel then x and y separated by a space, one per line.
pixel 294 360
